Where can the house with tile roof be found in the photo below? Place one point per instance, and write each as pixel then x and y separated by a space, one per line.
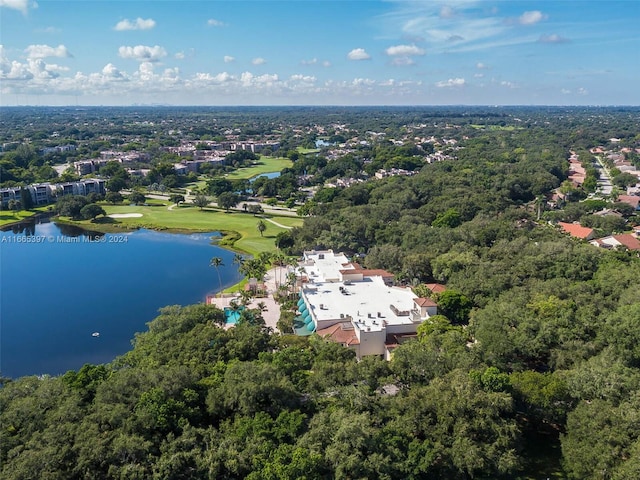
pixel 625 240
pixel 576 230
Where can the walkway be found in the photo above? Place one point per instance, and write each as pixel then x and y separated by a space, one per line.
pixel 276 223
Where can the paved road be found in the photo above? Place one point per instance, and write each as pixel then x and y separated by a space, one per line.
pixel 605 186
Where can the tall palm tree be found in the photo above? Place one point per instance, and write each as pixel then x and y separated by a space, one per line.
pixel 217 262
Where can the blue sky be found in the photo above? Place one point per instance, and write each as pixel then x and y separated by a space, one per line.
pixel 298 52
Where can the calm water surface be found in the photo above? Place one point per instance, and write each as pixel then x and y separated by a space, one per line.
pixel 59 285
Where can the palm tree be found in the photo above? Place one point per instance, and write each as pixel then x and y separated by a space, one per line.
pixel 261 227
pixel 216 262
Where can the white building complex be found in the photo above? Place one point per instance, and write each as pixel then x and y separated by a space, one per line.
pixel 356 307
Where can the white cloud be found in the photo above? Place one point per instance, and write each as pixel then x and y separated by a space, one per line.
pixel 508 84
pixel 258 61
pixel 20 5
pixel 326 63
pixel 111 71
pixel 49 30
pixel 481 66
pixel 452 82
pixel 531 18
pixel 553 38
pixel 363 82
pixel 303 78
pixel 179 55
pixel 404 50
pixel 212 22
pixel 565 91
pixel 358 54
pixel 478 75
pixel 313 61
pixel 228 59
pixel 402 61
pixel 143 53
pixel 44 51
pixel 220 78
pixel 447 12
pixel 138 24
pixel 583 91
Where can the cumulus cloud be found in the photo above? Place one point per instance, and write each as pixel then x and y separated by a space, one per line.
pixel 179 55
pixel 358 54
pixel 20 5
pixel 143 53
pixel 111 71
pixel 452 82
pixel 565 91
pixel 228 59
pixel 44 51
pixel 326 63
pixel 404 50
pixel 222 77
pixel 531 18
pixel 303 78
pixel 313 61
pixel 212 22
pixel 137 24
pixel 583 91
pixel 481 66
pixel 508 84
pixel 553 38
pixel 258 61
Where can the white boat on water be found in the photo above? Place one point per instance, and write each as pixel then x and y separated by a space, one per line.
pixel 95 334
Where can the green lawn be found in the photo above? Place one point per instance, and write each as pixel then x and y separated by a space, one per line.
pixel 264 165
pixel 7 217
pixel 189 218
pixel 305 151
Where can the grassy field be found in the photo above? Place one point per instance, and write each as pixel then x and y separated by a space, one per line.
pixel 8 217
pixel 238 225
pixel 305 151
pixel 264 165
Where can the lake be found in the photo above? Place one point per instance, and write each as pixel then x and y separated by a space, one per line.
pixel 60 284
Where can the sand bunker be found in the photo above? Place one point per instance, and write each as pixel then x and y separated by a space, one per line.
pixel 125 215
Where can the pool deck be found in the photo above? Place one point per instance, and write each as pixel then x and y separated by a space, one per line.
pixel 272 313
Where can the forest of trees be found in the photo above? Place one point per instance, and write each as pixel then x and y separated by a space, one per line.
pixel 532 371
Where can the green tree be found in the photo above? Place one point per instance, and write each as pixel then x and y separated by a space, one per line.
pixel 137 198
pixel 228 200
pixel 261 226
pixel 176 198
pixel 25 199
pixel 91 211
pixel 200 200
pixel 113 197
pixel 455 306
pixel 216 262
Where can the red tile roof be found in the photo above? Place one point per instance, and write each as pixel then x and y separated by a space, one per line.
pixel 576 230
pixel 425 302
pixel 435 287
pixel 632 200
pixel 340 333
pixel 628 240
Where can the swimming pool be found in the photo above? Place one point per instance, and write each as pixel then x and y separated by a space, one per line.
pixel 232 315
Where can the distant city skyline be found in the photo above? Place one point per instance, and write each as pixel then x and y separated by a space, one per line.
pixel 456 52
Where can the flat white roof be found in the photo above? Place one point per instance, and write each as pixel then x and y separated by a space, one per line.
pixel 367 302
pixel 323 265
